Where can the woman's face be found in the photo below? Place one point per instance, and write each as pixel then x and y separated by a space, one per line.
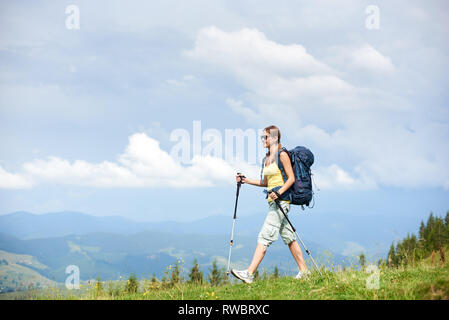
pixel 266 139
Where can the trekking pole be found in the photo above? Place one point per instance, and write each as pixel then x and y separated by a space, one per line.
pixel 233 222
pixel 294 230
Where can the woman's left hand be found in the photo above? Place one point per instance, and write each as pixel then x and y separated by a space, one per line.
pixel 273 196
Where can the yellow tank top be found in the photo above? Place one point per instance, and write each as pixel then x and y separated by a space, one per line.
pixel 274 177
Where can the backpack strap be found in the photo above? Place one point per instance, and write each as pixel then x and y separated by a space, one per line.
pixel 280 165
pixel 261 170
pixel 284 175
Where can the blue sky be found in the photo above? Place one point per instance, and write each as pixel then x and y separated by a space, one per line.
pixel 87 114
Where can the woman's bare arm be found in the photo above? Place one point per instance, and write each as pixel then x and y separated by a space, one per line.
pixel 253 181
pixel 257 182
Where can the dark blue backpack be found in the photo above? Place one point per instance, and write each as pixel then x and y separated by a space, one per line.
pixel 300 193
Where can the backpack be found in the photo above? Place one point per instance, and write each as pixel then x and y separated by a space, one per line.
pixel 300 193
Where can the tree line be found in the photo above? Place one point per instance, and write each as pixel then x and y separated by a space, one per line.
pixel 433 238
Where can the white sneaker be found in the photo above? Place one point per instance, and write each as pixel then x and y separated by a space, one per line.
pixel 243 275
pixel 302 274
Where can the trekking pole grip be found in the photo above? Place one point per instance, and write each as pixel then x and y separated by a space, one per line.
pixel 240 176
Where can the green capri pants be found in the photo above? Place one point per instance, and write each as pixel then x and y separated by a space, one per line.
pixel 275 224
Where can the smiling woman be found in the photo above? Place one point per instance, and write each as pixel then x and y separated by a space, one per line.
pixel 276 222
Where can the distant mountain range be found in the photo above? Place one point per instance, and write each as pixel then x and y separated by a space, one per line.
pixel 110 247
pixel 340 233
pixel 25 225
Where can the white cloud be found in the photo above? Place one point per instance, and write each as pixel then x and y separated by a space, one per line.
pixel 365 132
pixel 364 137
pixel 334 177
pixel 237 107
pixel 143 164
pixel 61 171
pixel 361 58
pixel 368 58
pixel 13 181
pixel 250 49
pixel 264 67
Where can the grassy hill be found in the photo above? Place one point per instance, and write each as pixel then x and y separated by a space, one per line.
pixel 423 280
pixel 113 256
pixel 18 272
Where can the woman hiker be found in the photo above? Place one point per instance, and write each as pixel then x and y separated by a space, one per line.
pixel 275 222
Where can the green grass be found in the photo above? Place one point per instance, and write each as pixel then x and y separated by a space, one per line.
pixel 421 281
pixel 425 279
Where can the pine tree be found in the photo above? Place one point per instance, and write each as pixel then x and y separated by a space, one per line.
pixel 446 220
pixel 433 235
pixel 442 258
pixel 132 285
pixel 98 291
pixel 154 283
pixel 154 279
pixel 276 272
pixel 414 252
pixel 195 275
pixel 440 234
pixel 430 232
pixel 446 227
pixel 175 274
pixel 400 256
pixel 392 257
pixel 215 277
pixel 380 262
pixel 422 229
pixel 362 260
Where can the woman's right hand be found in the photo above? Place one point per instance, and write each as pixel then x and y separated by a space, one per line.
pixel 240 178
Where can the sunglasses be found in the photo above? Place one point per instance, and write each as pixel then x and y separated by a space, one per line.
pixel 264 137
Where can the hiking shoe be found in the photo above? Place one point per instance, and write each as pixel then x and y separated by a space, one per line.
pixel 302 274
pixel 243 275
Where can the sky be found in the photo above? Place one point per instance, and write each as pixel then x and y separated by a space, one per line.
pixel 129 109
